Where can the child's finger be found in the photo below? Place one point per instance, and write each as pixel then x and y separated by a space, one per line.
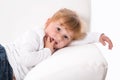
pixel 110 43
pixel 53 42
pixel 48 39
pixel 103 42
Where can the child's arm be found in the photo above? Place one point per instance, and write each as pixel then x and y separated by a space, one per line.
pixel 93 38
pixel 30 47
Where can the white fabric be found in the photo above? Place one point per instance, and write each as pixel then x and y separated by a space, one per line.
pixel 38 14
pixel 18 51
pixel 71 63
pixel 28 50
pixel 89 38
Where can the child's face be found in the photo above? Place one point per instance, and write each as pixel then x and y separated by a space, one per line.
pixel 60 34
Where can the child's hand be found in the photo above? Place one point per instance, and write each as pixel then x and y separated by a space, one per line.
pixel 103 39
pixel 49 43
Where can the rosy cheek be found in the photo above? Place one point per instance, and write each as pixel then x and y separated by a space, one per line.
pixel 53 32
pixel 58 46
pixel 63 44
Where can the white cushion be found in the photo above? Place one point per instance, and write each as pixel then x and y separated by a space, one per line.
pixel 71 63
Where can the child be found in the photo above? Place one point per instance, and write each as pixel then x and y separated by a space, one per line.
pixel 19 57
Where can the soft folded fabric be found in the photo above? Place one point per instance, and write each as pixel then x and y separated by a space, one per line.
pixel 84 62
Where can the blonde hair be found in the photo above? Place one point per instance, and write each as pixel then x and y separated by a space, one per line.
pixel 71 20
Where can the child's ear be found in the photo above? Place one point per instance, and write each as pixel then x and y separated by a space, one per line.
pixel 47 22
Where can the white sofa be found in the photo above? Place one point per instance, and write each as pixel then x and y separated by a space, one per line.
pixel 72 63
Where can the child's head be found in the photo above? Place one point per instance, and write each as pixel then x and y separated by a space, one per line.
pixel 64 26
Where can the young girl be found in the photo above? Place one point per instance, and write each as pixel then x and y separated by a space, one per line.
pixel 19 57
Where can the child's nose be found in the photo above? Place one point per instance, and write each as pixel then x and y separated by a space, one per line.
pixel 59 37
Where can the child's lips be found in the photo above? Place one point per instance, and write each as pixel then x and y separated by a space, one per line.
pixel 52 39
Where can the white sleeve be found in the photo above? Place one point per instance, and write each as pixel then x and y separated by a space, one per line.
pixel 30 59
pixel 89 38
pixel 30 52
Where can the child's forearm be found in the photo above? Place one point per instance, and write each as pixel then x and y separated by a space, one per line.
pixel 33 58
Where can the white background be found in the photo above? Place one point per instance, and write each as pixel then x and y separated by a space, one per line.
pixel 18 15
pixel 106 19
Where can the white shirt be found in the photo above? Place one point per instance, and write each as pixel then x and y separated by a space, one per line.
pixel 28 50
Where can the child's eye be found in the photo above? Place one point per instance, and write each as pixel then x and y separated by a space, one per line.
pixel 66 37
pixel 58 29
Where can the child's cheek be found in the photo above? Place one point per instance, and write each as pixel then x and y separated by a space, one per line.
pixel 62 44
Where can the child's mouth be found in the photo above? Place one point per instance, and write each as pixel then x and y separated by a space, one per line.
pixel 52 39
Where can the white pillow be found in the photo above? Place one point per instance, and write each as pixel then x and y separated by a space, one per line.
pixel 71 63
